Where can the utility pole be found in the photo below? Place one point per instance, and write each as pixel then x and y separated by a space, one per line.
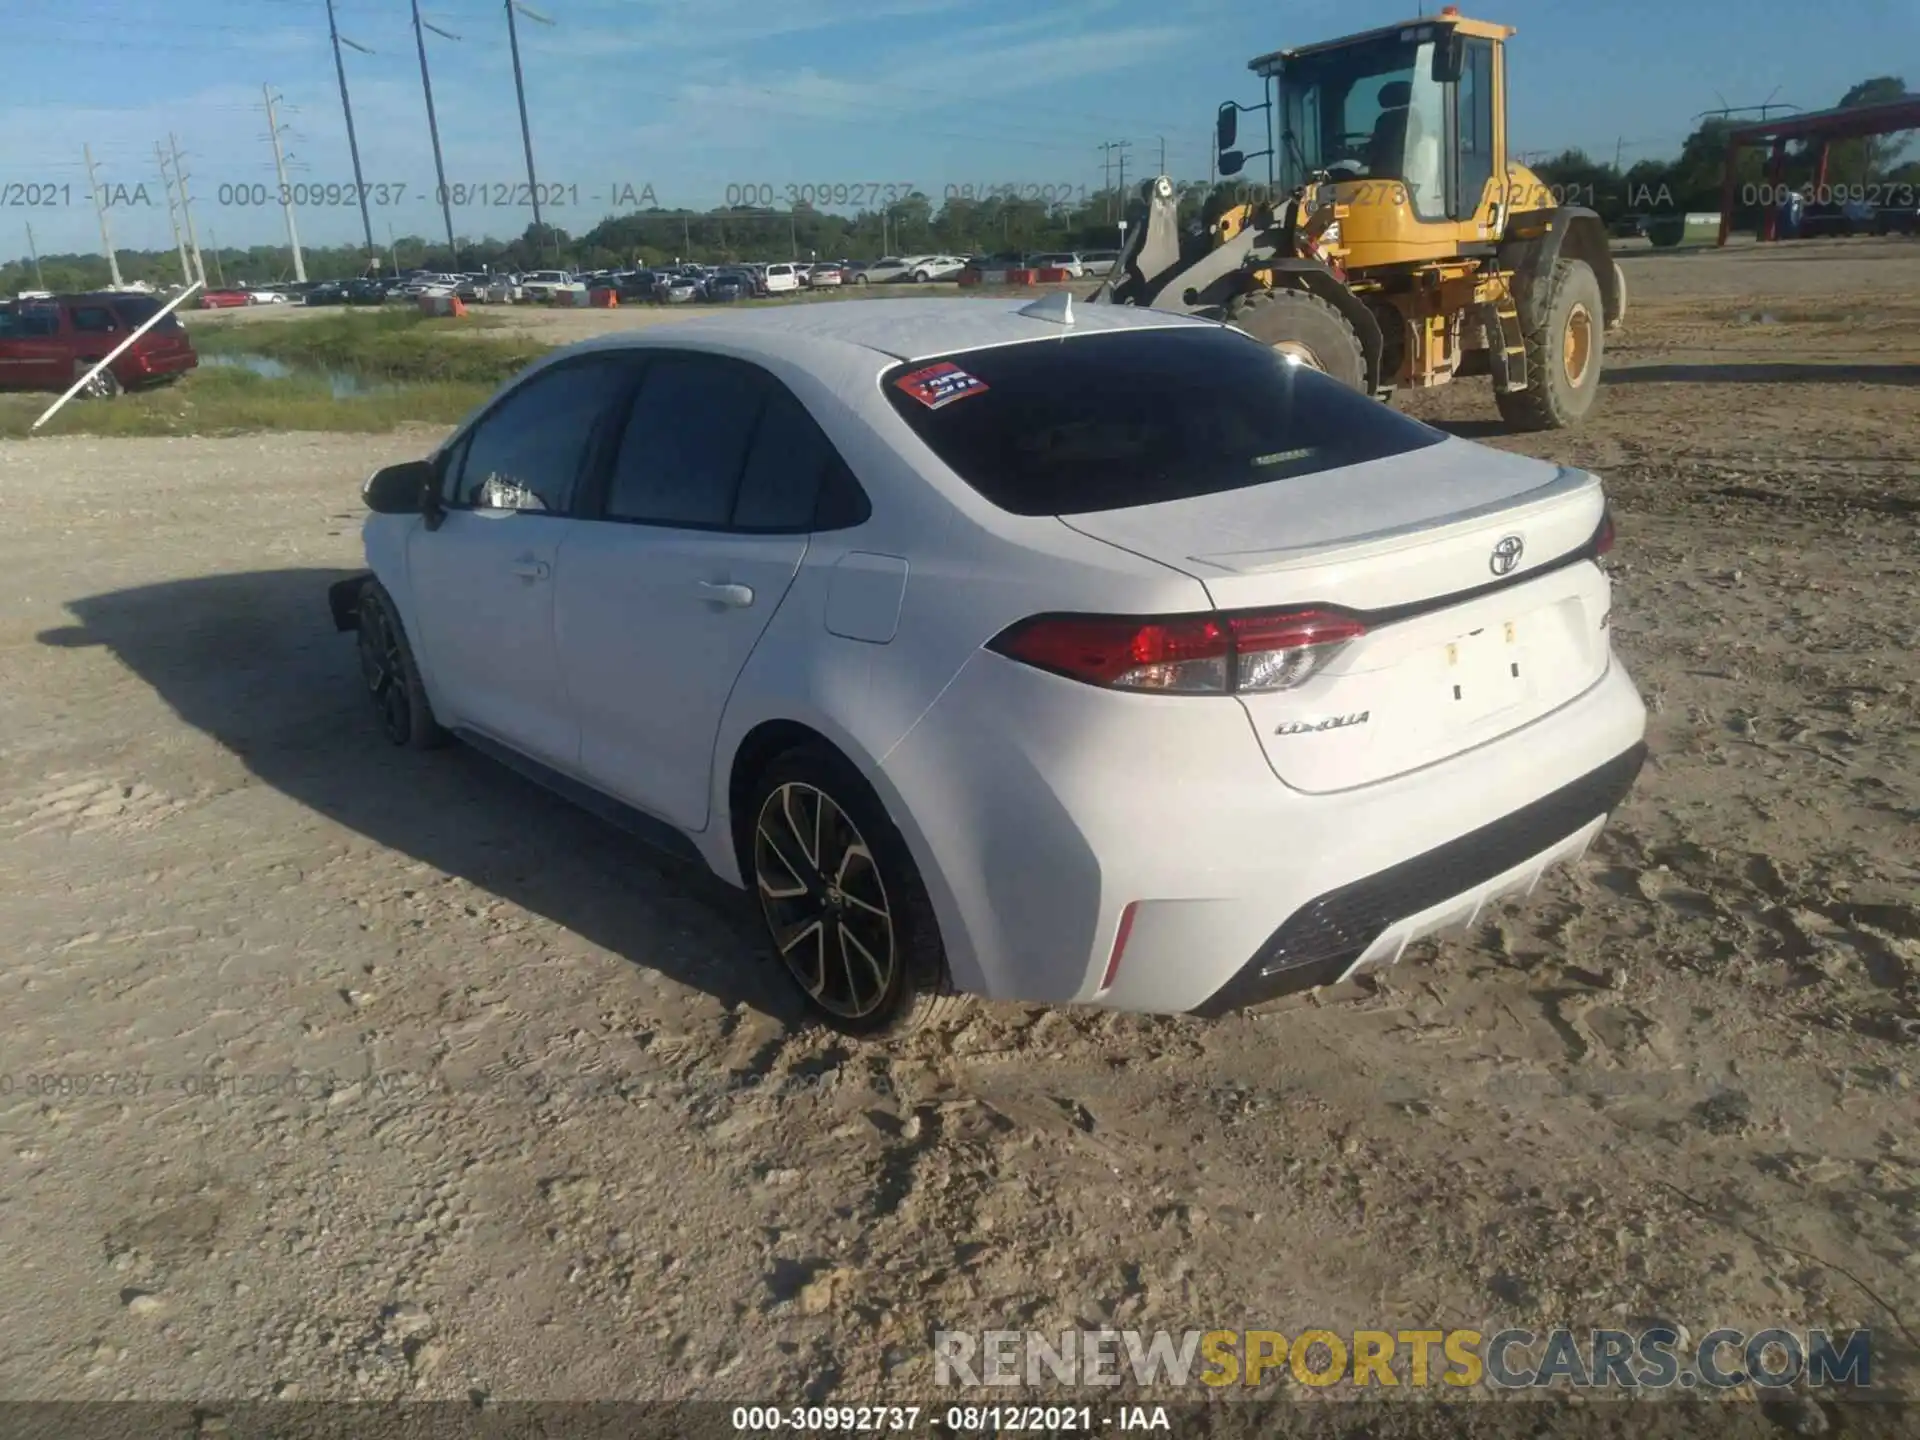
pixel 1120 150
pixel 520 91
pixel 173 215
pixel 33 254
pixel 346 108
pixel 100 209
pixel 420 27
pixel 186 212
pixel 1619 152
pixel 1163 154
pixel 1106 177
pixel 286 191
pixel 213 241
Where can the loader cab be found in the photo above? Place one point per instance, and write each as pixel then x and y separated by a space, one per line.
pixel 1408 120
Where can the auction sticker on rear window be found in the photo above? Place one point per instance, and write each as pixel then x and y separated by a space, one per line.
pixel 941 384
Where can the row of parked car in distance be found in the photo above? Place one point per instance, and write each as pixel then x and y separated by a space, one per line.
pixel 672 284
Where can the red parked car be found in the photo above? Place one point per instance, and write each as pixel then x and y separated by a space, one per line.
pixel 224 299
pixel 49 344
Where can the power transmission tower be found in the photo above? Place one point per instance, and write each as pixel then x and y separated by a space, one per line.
pixel 520 91
pixel 1106 148
pixel 420 27
pixel 33 254
pixel 286 191
pixel 346 108
pixel 100 209
pixel 186 212
pixel 173 214
pixel 1120 149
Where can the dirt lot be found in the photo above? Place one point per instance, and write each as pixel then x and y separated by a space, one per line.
pixel 548 1132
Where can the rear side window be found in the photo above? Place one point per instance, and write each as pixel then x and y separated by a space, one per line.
pixel 1111 420
pixel 136 310
pixel 93 319
pixel 686 438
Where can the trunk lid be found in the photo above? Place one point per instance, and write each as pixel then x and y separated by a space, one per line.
pixel 1468 637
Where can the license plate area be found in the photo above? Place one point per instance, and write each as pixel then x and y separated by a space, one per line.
pixel 1485 672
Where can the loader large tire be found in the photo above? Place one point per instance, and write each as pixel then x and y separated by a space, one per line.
pixel 1565 338
pixel 1305 327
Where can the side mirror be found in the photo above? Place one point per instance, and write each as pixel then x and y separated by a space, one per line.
pixel 1226 129
pixel 1232 162
pixel 399 489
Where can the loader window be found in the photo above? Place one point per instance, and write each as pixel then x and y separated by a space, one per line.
pixel 1475 157
pixel 1108 421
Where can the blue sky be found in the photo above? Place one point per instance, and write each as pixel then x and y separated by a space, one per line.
pixel 694 96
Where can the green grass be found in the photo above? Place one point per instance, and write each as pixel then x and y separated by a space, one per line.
pixel 399 345
pixel 229 401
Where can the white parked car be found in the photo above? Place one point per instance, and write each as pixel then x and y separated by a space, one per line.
pixel 936 267
pixel 1074 266
pixel 266 297
pixel 887 271
pixel 1099 262
pixel 782 278
pixel 1103 657
pixel 540 286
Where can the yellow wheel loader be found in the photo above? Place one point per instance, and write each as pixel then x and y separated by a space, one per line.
pixel 1394 244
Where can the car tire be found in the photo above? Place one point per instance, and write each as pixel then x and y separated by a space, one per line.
pixel 1566 344
pixel 860 280
pixel 104 386
pixel 854 929
pixel 391 674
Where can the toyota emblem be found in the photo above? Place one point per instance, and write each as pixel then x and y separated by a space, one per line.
pixel 1506 555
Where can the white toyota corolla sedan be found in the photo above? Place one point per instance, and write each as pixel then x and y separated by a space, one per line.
pixel 1093 655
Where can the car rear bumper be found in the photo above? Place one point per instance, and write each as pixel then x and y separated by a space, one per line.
pixel 1369 923
pixel 1043 811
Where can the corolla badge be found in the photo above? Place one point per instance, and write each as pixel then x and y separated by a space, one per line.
pixel 1332 722
pixel 1506 555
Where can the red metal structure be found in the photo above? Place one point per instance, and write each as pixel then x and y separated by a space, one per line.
pixel 1821 128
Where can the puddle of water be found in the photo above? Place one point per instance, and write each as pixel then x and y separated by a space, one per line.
pixel 343 384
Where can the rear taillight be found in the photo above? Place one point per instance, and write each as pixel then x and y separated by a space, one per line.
pixel 1184 655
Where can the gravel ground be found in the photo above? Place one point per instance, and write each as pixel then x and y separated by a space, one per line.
pixel 419 1083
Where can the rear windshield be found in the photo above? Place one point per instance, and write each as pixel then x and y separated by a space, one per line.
pixel 1111 420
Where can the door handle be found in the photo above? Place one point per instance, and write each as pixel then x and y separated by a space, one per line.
pixel 531 569
pixel 737 596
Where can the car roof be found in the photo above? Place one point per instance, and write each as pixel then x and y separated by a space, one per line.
pixel 900 329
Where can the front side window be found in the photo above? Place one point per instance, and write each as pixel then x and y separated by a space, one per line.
pixel 1138 417
pixel 528 452
pixel 1376 110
